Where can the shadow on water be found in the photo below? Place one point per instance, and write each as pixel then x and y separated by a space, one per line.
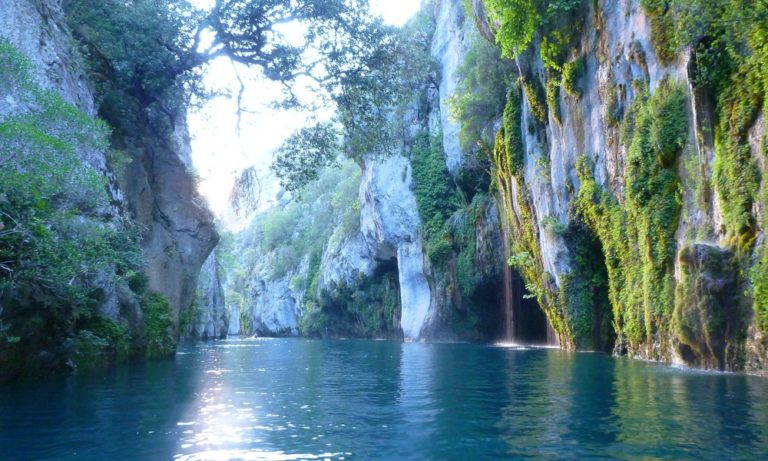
pixel 97 416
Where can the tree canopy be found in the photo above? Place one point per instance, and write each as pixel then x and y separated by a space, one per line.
pixel 149 55
pixel 372 99
pixel 152 46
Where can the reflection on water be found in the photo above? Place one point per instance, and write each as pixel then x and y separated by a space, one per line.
pixel 298 399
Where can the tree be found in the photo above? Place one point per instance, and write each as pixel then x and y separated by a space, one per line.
pixel 520 20
pixel 148 56
pixel 153 47
pixel 300 159
pixel 373 91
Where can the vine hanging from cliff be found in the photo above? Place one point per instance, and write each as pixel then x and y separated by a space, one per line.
pixel 637 235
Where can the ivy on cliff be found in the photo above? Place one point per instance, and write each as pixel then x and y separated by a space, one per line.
pixel 521 20
pixel 436 196
pixel 637 235
pixel 727 39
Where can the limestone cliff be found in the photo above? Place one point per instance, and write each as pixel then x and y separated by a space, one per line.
pixel 151 187
pixel 611 164
pixel 208 318
pixel 606 195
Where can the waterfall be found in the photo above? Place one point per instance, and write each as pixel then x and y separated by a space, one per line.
pixel 509 290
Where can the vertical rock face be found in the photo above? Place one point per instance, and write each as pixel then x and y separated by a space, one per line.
pixel 37 29
pixel 157 190
pixel 275 308
pixel 681 290
pixel 210 317
pixel 390 223
pixel 581 199
pixel 234 321
pixel 271 305
pixel 178 231
pixel 415 295
pixel 448 49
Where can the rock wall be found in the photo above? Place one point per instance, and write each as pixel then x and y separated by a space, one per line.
pixel 37 29
pixel 209 318
pixel 178 232
pixel 655 276
pixel 449 47
pixel 390 222
pixel 390 237
pixel 269 305
pixel 582 154
pixel 157 189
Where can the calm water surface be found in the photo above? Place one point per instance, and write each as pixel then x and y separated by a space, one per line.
pixel 292 399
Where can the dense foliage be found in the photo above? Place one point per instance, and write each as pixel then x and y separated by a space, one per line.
pixel 59 241
pixel 483 79
pixel 638 236
pixel 368 308
pixel 519 21
pixel 300 159
pixel 436 196
pixel 728 42
pixel 374 103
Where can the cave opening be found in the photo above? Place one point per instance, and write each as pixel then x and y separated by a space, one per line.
pixel 587 290
pixel 526 321
pixel 385 266
pixel 488 296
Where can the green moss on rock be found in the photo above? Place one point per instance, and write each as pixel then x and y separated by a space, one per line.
pixel 709 316
pixel 638 235
pixel 572 73
pixel 536 97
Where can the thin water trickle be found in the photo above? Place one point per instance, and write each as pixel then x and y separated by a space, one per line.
pixel 509 296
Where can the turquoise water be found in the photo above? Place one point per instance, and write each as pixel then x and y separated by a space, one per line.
pixel 290 399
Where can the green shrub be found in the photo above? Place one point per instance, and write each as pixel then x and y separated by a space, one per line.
pixel 572 73
pixel 520 20
pixel 158 324
pixel 536 97
pixel 553 97
pixel 584 290
pixel 759 278
pixel 662 27
pixel 553 225
pixel 101 341
pixel 483 80
pixel 90 350
pixel 366 308
pixel 513 133
pixel 436 196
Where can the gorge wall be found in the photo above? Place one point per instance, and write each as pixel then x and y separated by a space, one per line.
pixel 613 144
pixel 622 187
pixel 152 197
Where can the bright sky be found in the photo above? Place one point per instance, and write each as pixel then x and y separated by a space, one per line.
pixel 220 154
